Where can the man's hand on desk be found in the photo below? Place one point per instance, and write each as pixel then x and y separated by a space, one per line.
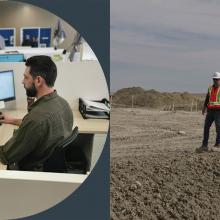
pixel 5 119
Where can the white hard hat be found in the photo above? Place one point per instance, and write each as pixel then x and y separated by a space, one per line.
pixel 216 75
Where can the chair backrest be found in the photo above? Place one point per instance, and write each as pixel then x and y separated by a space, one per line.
pixel 68 140
pixel 56 162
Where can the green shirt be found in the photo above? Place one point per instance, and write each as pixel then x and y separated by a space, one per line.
pixel 49 121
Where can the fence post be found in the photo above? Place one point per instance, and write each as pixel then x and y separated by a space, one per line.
pixel 191 106
pixel 132 101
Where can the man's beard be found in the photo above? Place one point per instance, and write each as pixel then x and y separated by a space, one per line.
pixel 31 92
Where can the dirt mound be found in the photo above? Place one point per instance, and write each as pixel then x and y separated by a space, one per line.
pixel 155 99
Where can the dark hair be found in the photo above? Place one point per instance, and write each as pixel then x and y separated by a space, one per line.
pixel 43 66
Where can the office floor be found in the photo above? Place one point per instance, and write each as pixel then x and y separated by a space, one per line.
pixel 155 172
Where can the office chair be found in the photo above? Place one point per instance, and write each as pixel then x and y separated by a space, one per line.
pixel 57 162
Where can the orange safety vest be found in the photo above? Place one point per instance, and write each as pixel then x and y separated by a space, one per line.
pixel 214 97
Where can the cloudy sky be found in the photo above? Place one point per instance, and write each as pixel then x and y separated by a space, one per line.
pixel 171 45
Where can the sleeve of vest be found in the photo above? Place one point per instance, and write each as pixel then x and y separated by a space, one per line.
pixel 23 141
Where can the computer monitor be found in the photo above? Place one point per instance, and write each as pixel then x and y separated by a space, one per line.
pixel 12 57
pixel 7 86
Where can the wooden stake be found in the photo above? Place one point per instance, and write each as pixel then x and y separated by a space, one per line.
pixel 132 101
pixel 191 106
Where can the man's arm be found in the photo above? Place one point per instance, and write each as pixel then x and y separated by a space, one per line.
pixel 24 140
pixel 5 119
pixel 204 109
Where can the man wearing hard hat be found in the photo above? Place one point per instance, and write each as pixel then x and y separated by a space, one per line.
pixel 212 108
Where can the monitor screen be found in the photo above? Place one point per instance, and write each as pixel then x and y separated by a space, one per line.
pixel 12 57
pixel 7 88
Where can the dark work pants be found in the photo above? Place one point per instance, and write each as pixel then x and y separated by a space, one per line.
pixel 212 116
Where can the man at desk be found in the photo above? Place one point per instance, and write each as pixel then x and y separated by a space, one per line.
pixel 49 119
pixel 2 43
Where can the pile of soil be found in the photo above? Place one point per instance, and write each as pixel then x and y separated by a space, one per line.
pixel 155 99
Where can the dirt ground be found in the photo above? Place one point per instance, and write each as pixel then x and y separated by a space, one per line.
pixel 155 172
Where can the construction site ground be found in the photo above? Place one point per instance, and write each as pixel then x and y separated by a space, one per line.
pixel 155 172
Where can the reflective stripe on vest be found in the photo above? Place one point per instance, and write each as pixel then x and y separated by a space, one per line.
pixel 214 97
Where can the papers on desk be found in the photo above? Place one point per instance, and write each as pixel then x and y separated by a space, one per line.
pixel 94 105
pixel 94 109
pixel 2 104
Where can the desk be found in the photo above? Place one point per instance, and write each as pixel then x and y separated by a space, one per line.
pixel 28 52
pixel 41 190
pixel 37 190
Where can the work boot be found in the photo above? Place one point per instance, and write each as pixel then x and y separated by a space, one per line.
pixel 202 149
pixel 216 148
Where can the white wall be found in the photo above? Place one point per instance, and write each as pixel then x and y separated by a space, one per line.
pixel 78 79
pixel 87 52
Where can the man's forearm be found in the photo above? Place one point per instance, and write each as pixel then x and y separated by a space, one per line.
pixel 15 121
pixel 206 100
pixel 5 119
